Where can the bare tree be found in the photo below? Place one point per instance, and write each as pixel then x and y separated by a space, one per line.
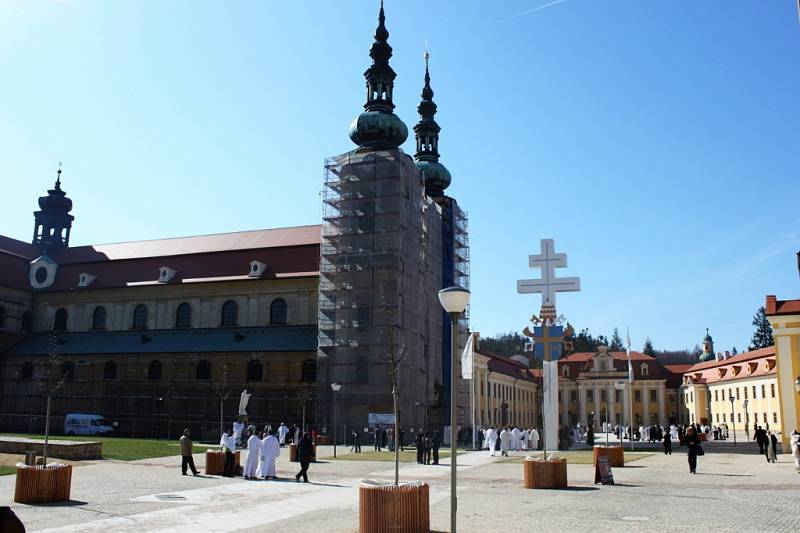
pixel 223 391
pixel 53 378
pixel 395 352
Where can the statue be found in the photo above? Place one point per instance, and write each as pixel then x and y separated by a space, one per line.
pixel 243 403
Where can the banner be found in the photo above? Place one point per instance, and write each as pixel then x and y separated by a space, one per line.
pixel 467 357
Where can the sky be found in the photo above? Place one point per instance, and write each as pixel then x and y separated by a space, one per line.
pixel 656 142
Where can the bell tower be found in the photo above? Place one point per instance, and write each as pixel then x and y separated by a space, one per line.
pixel 53 221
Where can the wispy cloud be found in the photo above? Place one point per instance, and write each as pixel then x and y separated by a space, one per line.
pixel 533 10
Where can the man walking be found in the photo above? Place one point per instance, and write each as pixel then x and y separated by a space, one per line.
pixel 228 443
pixel 305 451
pixel 760 436
pixel 187 461
pixel 356 443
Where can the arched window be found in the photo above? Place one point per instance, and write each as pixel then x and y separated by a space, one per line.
pixel 110 370
pixel 26 372
pixel 230 313
pixel 2 316
pixel 67 370
pixel 154 370
pixel 255 371
pixel 645 369
pixel 202 370
pixel 183 316
pixel 60 322
pixel 140 317
pixel 309 374
pixel 362 370
pixel 278 312
pixel 99 318
pixel 27 321
pixel 565 371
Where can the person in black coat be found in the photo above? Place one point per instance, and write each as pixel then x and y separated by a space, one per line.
pixel 420 447
pixel 667 443
pixel 693 445
pixel 305 452
pixel 376 439
pixel 435 446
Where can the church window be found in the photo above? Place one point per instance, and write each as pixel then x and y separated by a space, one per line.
pixel 716 395
pixel 27 321
pixel 745 393
pixel 754 392
pixel 763 391
pixel 67 370
pixel 765 417
pixel 362 370
pixel 724 417
pixel 255 371
pixel 183 316
pixel 230 314
pixel 140 317
pixel 110 370
pixel 774 418
pixel 737 393
pixel 717 418
pixel 26 373
pixel 278 312
pixel 738 417
pixel 309 373
pixel 40 275
pixel 637 396
pixel 573 396
pixel 154 370
pixel 60 322
pixel 99 317
pixel 772 390
pixel 202 370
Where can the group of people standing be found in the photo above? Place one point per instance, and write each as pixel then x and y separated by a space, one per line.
pixel 427 448
pixel 509 439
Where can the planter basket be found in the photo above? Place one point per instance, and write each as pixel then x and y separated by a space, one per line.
pixel 545 474
pixel 615 454
pixel 382 507
pixel 293 453
pixel 215 463
pixel 322 440
pixel 37 484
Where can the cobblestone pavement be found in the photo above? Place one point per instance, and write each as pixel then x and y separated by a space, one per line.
pixel 730 492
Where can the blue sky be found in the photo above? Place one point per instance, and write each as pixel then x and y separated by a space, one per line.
pixel 656 142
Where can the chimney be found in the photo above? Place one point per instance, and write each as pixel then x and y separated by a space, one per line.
pixel 727 354
pixel 720 356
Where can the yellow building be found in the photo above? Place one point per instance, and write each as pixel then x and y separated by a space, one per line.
pixel 784 316
pixel 748 378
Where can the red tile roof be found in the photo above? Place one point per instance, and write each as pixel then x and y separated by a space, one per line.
pixel 19 248
pixel 782 307
pixel 582 362
pixel 509 367
pixel 738 358
pixel 743 365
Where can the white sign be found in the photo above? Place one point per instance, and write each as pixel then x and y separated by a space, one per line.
pixel 385 419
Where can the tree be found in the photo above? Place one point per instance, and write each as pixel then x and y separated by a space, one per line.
pixel 762 337
pixel 616 342
pixel 648 348
pixel 395 351
pixel 53 378
pixel 584 341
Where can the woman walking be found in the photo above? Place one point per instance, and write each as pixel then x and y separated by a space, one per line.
pixel 305 452
pixel 693 445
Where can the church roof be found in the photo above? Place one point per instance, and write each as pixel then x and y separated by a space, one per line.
pixel 744 365
pixel 781 307
pixel 258 339
pixel 582 362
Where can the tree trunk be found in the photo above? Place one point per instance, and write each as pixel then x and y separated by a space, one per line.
pixel 46 430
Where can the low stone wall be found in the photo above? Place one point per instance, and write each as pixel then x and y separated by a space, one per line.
pixel 61 449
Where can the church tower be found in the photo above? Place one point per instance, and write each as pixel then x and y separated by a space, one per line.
pixel 437 177
pixel 53 222
pixel 708 348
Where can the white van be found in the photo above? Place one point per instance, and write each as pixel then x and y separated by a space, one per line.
pixel 83 424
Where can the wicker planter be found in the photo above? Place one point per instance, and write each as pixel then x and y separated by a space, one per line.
pixel 215 463
pixel 615 454
pixel 37 484
pixel 545 474
pixel 384 507
pixel 322 440
pixel 293 453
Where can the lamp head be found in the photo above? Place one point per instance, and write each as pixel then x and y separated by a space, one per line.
pixel 454 299
pixel 336 386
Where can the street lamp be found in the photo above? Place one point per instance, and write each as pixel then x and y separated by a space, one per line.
pixel 746 420
pixel 336 387
pixel 454 300
pixel 797 384
pixel 733 420
pixel 619 385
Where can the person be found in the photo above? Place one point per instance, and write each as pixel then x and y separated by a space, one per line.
pixel 795 444
pixel 253 451
pixel 356 443
pixel 759 435
pixel 420 447
pixel 187 461
pixel 693 445
pixel 390 436
pixel 491 440
pixel 282 432
pixel 427 444
pixel 523 439
pixel 377 439
pixel 228 443
pixel 269 452
pixel 384 438
pixel 305 451
pixel 435 445
pixel 534 442
pixel 505 441
pixel 238 427
pixel 667 443
pixel 772 447
pixel 402 449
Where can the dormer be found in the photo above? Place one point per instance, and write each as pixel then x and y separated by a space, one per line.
pixel 769 364
pixel 751 367
pixel 736 369
pixel 645 369
pixel 85 279
pixel 166 274
pixel 565 371
pixel 721 372
pixel 42 272
pixel 257 269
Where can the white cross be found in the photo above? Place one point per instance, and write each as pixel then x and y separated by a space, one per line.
pixel 549 284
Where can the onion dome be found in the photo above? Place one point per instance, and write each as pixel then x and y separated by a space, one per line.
pixel 378 126
pixel 437 177
pixel 56 200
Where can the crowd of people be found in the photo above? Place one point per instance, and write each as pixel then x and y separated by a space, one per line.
pixel 508 439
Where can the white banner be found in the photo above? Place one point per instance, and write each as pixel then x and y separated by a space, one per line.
pixel 467 358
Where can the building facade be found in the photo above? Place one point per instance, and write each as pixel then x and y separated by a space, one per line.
pixel 784 317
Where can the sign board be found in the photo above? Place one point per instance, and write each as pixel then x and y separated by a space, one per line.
pixel 381 419
pixel 602 472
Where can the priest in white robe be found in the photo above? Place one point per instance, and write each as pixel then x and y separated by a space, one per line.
pixel 282 432
pixel 253 452
pixel 534 440
pixel 270 451
pixel 515 438
pixel 238 427
pixel 505 442
pixel 491 438
pixel 523 439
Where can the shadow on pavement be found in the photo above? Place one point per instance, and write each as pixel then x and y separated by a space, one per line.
pixel 68 503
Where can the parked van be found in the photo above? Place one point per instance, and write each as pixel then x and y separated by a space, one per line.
pixel 83 424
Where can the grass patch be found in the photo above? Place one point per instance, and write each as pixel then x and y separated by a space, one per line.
pixel 127 449
pixel 405 457
pixel 577 457
pixel 7 470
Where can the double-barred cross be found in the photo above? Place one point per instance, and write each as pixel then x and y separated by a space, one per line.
pixel 548 260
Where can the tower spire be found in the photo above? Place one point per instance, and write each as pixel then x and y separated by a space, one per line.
pixel 378 126
pixel 437 177
pixel 53 222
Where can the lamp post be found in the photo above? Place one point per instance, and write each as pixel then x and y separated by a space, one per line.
pixel 619 385
pixel 733 420
pixel 454 300
pixel 336 387
pixel 746 420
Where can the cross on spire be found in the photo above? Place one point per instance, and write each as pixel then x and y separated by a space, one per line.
pixel 548 285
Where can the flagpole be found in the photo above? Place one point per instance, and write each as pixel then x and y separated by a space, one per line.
pixel 630 381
